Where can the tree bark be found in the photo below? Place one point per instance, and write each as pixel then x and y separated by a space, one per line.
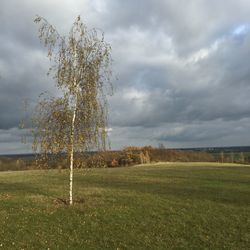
pixel 72 140
pixel 72 158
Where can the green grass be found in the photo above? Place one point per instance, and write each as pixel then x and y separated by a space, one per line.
pixel 161 206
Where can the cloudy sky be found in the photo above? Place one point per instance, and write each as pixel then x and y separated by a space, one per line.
pixel 182 66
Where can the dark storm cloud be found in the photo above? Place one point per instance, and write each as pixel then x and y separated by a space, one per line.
pixel 21 79
pixel 23 62
pixel 204 134
pixel 191 24
pixel 182 67
pixel 215 87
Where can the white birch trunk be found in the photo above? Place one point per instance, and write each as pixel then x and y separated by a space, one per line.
pixel 72 141
pixel 72 158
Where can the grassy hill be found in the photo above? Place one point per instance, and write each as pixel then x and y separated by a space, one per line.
pixel 161 206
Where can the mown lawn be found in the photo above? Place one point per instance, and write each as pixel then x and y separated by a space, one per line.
pixel 161 206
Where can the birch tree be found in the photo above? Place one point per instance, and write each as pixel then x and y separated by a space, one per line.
pixel 76 121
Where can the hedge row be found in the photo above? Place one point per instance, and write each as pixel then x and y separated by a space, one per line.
pixel 126 157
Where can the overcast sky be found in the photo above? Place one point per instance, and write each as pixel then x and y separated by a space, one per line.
pixel 183 68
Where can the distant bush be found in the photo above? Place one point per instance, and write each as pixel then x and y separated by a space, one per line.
pixel 159 154
pixel 130 155
pixel 8 163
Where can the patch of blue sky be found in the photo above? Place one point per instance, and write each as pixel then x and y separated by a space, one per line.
pixel 240 32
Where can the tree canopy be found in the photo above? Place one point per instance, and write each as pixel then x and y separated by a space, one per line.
pixel 75 121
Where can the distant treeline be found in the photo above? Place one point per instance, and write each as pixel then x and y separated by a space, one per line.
pixel 9 163
pixel 232 149
pixel 128 156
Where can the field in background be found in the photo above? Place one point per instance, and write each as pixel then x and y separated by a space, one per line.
pixel 160 206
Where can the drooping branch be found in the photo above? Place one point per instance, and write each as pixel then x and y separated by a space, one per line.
pixel 81 65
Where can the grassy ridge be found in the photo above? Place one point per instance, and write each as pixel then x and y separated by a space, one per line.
pixel 162 206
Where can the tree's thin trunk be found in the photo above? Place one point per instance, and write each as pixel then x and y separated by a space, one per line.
pixel 72 157
pixel 72 142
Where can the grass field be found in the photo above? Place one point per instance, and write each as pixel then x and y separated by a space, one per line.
pixel 161 206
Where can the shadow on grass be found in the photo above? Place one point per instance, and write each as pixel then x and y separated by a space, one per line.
pixel 224 193
pixel 193 186
pixel 22 189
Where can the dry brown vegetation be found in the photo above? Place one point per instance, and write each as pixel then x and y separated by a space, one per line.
pixel 129 156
